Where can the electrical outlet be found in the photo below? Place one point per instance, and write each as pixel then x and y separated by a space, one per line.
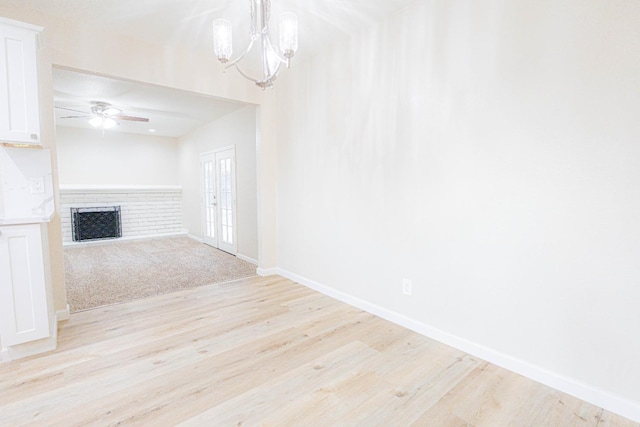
pixel 407 285
pixel 36 185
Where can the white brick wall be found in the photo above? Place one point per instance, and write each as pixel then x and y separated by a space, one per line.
pixel 145 211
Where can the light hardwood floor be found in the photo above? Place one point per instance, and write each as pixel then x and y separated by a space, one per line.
pixel 267 351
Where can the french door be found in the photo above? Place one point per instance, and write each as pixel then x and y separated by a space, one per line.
pixel 219 199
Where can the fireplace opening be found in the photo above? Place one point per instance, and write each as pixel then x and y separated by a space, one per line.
pixel 96 223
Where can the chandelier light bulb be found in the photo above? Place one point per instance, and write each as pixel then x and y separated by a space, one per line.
pixel 222 39
pixel 288 34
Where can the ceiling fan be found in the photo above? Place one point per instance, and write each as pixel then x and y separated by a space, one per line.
pixel 103 115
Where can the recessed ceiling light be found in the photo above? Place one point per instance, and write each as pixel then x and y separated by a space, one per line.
pixel 152 130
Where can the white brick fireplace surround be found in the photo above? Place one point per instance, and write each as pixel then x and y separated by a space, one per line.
pixel 146 211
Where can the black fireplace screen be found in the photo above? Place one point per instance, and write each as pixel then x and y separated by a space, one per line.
pixel 96 223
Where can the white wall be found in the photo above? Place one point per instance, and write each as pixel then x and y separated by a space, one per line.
pixel 239 129
pixel 490 152
pixel 87 157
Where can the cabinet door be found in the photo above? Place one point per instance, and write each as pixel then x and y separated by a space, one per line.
pixel 23 297
pixel 19 110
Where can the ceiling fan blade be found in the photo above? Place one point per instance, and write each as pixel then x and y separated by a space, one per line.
pixel 71 109
pixel 76 117
pixel 132 119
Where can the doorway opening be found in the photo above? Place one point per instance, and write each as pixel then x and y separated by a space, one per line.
pixel 158 186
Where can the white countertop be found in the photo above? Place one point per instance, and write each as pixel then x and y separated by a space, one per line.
pixel 26 220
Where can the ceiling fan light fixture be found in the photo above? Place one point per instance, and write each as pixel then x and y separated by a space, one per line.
pixel 103 122
pixel 108 123
pixel 111 111
pixel 96 122
pixel 103 116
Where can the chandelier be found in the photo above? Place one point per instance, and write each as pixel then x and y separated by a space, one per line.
pixel 271 59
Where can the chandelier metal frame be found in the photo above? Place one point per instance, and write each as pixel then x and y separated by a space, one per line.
pixel 271 59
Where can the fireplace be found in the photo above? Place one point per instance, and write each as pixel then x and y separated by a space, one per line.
pixel 96 223
pixel 146 211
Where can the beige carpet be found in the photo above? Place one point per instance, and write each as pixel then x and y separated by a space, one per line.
pixel 113 272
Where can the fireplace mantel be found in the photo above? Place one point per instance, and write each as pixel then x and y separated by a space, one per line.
pixel 71 189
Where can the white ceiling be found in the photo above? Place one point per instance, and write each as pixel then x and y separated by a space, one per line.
pixel 171 112
pixel 187 24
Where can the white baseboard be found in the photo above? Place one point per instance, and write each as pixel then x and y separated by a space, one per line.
pixel 246 258
pixel 270 272
pixel 124 239
pixel 192 237
pixel 238 255
pixel 586 392
pixel 63 315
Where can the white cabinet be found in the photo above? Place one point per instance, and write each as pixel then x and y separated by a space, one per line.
pixel 23 296
pixel 26 199
pixel 19 109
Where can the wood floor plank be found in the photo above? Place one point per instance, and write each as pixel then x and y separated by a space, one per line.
pixel 505 398
pixel 253 406
pixel 267 351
